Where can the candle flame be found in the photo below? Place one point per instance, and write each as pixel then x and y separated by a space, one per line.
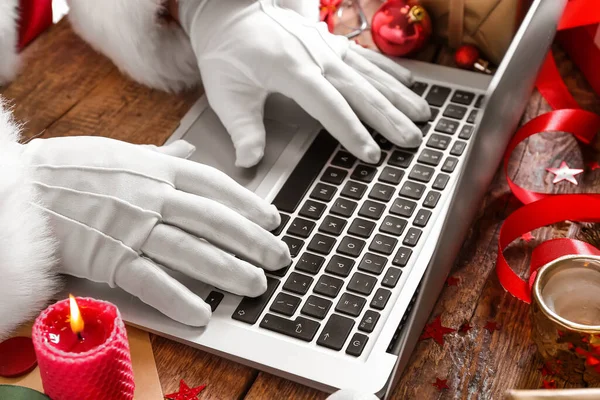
pixel 76 320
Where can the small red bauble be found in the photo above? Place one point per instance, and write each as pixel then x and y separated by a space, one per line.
pixel 400 27
pixel 466 56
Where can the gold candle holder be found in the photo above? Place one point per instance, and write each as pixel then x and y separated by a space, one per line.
pixel 565 314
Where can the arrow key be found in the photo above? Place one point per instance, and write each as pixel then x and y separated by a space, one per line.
pixel 357 344
pixel 335 332
pixel 301 328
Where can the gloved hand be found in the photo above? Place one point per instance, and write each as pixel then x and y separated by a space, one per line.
pixel 122 211
pixel 351 395
pixel 247 49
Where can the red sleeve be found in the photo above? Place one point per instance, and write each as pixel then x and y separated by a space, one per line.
pixel 35 16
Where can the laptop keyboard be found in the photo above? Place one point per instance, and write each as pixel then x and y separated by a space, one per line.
pixel 353 229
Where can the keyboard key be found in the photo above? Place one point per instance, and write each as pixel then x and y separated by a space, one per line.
pixel 437 95
pixel 383 143
pixel 284 220
pixel 250 308
pixel 371 209
pixel 419 88
pixel 343 207
pixel 393 226
pixel 424 127
pixel 361 227
pixel 462 97
pixel 364 173
pixel 280 272
pixel 402 256
pixel 479 101
pixel 316 307
pixel 298 283
pixel 450 164
pixel 310 263
pixel 301 227
pixel 431 199
pixel 334 175
pixel 307 170
pixel 285 304
pixel 321 244
pixel 300 328
pixel 323 192
pixel 446 126
pixel 383 244
pixel 422 218
pixel 466 132
pixel 380 299
pixel 332 225
pixel 368 321
pixel 335 332
pixel 412 237
pixel 361 283
pixel 458 148
pixel 421 173
pixel 441 181
pixel 381 192
pixel 391 175
pixel 403 208
pixel 412 190
pixel 295 245
pixel 454 111
pixel 351 246
pixel 392 275
pixel 357 344
pixel 372 263
pixel 400 159
pixel 312 209
pixel 440 142
pixel 430 157
pixel 350 304
pixel 354 190
pixel 340 266
pixel 214 299
pixel 472 117
pixel 328 286
pixel 343 159
pixel 434 113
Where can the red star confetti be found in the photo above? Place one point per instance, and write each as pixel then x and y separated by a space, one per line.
pixel 464 328
pixel 564 173
pixel 452 281
pixel 548 369
pixel 185 392
pixel 527 237
pixel 436 331
pixel 441 384
pixel 491 326
pixel 594 165
pixel 549 384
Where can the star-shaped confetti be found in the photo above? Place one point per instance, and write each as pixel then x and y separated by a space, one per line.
pixel 436 331
pixel 549 384
pixel 491 326
pixel 527 237
pixel 548 369
pixel 441 384
pixel 452 281
pixel 594 165
pixel 564 173
pixel 185 392
pixel 464 328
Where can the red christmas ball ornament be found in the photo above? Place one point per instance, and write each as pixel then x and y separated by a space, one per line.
pixel 467 56
pixel 400 27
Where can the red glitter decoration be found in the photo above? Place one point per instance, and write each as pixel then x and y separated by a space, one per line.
pixel 491 326
pixel 436 331
pixel 441 384
pixel 185 392
pixel 466 56
pixel 452 281
pixel 464 328
pixel 327 12
pixel 594 165
pixel 549 384
pixel 527 237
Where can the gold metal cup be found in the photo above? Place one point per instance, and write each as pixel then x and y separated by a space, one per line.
pixel 565 314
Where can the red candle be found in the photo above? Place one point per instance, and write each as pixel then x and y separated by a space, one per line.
pixel 82 351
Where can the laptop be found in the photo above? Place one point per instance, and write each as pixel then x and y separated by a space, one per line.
pixel 372 245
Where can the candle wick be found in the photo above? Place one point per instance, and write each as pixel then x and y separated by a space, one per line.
pixel 79 336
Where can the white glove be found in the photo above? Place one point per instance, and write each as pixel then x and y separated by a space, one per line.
pixel 247 49
pixel 120 211
pixel 351 395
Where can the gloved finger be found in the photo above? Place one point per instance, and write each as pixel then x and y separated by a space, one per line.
pixel 209 182
pixel 347 394
pixel 226 229
pixel 148 282
pixel 372 106
pixel 241 113
pixel 386 64
pixel 178 148
pixel 200 260
pixel 322 101
pixel 412 105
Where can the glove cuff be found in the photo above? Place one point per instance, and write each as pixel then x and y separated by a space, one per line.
pixel 130 33
pixel 9 59
pixel 27 280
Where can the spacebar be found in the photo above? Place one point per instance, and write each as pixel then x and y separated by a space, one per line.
pixel 307 170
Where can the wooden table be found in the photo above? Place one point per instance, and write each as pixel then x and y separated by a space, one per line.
pixel 65 88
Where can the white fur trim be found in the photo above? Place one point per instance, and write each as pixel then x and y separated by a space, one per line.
pixel 27 280
pixel 128 32
pixel 9 59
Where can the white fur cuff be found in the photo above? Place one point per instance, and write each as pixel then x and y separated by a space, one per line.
pixel 27 280
pixel 9 60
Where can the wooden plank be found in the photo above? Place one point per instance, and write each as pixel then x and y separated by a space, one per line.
pixel 269 386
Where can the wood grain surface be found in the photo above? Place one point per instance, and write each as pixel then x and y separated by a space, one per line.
pixel 65 88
